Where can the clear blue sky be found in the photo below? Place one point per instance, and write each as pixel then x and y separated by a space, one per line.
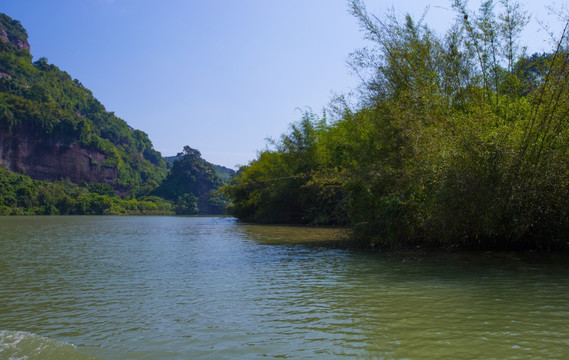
pixel 218 75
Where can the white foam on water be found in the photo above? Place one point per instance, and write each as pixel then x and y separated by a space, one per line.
pixel 22 345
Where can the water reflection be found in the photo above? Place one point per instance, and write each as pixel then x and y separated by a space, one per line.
pixel 282 235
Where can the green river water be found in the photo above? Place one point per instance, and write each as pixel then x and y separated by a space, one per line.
pixel 204 288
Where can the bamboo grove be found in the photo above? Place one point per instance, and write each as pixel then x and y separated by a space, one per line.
pixel 458 140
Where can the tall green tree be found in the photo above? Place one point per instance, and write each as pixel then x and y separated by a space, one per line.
pixel 191 184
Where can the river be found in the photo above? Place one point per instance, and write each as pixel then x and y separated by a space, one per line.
pixel 205 288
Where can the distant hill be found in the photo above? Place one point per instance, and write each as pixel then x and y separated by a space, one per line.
pixel 191 184
pixel 223 172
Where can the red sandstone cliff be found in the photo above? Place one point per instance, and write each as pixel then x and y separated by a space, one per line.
pixel 44 158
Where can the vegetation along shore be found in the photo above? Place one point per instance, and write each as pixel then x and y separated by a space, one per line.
pixel 457 140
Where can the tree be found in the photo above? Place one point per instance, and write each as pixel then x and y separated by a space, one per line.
pixel 189 183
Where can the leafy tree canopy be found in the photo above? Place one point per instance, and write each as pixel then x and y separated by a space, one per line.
pixel 191 183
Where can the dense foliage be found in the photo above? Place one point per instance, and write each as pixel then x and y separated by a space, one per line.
pixel 13 28
pixel 291 184
pixel 458 140
pixel 191 185
pixel 20 195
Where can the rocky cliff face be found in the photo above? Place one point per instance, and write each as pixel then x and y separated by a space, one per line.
pixel 19 43
pixel 44 158
pixel 13 32
pixel 24 150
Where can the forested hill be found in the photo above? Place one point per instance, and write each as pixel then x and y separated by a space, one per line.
pixel 62 152
pixel 223 172
pixel 192 182
pixel 52 127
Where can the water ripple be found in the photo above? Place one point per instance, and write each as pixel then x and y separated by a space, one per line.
pixel 178 287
